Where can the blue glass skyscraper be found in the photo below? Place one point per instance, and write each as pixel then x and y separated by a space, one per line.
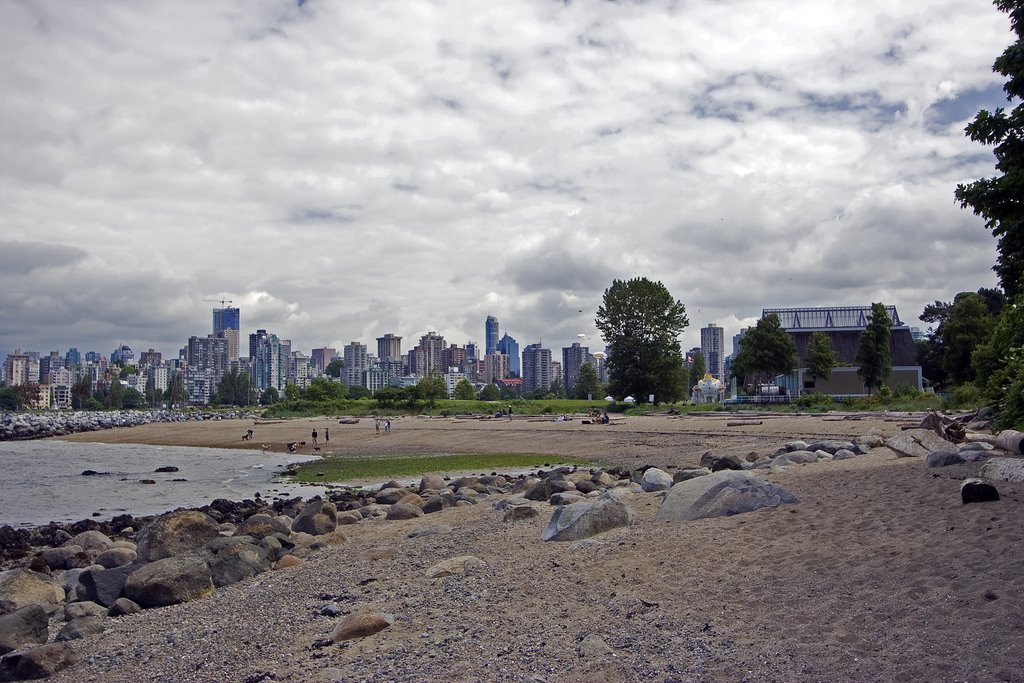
pixel 226 319
pixel 510 347
pixel 491 335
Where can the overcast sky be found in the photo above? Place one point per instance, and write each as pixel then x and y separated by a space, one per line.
pixel 344 169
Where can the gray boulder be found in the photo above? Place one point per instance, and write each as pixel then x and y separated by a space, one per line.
pixel 86 608
pixel 844 454
pixel 21 587
pixel 587 518
pixel 123 606
pixel 260 526
pixel 390 496
pixel 943 459
pixel 720 495
pixel 432 482
pixel 237 562
pixel 82 627
pixel 656 480
pixel 683 475
pixel 103 586
pixel 918 443
pixel 175 533
pixel 802 457
pixel 717 463
pixel 24 626
pixel 317 517
pixel 93 542
pixel 169 581
pixel 65 557
pixel 404 511
pixel 116 557
pixel 41 662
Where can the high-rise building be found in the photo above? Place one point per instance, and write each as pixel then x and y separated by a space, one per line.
pixel 510 347
pixel 536 368
pixel 573 358
pixel 389 346
pixel 123 354
pixel 227 324
pixel 429 355
pixel 48 365
pixel 18 370
pixel 266 366
pixel 208 353
pixel 322 357
pixel 299 370
pixel 472 352
pixel 490 335
pixel 356 360
pixel 72 358
pixel 495 367
pixel 454 357
pixel 712 345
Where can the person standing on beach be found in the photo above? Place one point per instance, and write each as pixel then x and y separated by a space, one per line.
pixel 327 434
pixel 387 426
pixel 314 436
pixel 376 424
pixel 510 413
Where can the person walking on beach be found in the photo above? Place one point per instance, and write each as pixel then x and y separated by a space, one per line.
pixel 314 436
pixel 327 434
pixel 376 424
pixel 387 426
pixel 510 413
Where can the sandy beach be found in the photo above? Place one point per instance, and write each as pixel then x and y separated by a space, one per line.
pixel 878 574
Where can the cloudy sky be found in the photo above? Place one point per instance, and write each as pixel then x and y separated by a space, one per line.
pixel 340 170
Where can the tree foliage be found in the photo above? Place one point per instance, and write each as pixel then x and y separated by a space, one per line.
pixel 490 393
pixel 322 390
pixel 767 350
pixel 81 391
pixel 464 390
pixel 333 368
pixel 270 396
pixel 873 354
pixel 697 370
pixel 133 399
pixel 176 392
pixel 641 323
pixel 431 388
pixel 968 325
pixel 998 364
pixel 821 357
pixel 233 388
pixel 588 384
pixel 998 199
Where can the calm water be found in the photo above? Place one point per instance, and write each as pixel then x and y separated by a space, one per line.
pixel 41 481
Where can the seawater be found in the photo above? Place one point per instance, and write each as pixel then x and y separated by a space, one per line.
pixel 41 481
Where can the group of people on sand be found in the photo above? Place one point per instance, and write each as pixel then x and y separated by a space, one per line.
pixel 387 425
pixel 598 418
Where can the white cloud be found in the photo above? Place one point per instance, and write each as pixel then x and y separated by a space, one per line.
pixel 345 170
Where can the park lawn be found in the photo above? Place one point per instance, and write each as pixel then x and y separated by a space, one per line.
pixel 343 468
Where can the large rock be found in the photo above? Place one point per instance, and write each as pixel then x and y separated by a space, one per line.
pixel 432 482
pixel 361 625
pixel 93 542
pixel 317 517
pixel 23 626
pixel 65 557
pixel 918 443
pixel 41 662
pixel 169 581
pixel 943 459
pixel 175 533
pixel 80 628
pixel 720 494
pixel 655 480
pixel 104 586
pixel 404 511
pixel 260 526
pixel 588 518
pixel 977 491
pixel 455 565
pixel 86 608
pixel 21 587
pixel 236 562
pixel 1003 469
pixel 717 463
pixel 116 557
pixel 390 496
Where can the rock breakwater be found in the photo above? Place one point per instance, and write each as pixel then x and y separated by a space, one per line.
pixel 23 426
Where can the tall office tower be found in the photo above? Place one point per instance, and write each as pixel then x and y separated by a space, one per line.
pixel 265 362
pixel 150 358
pixel 72 358
pixel 536 368
pixel 490 335
pixel 510 347
pixel 573 358
pixel 737 339
pixel 123 354
pixel 18 370
pixel 299 370
pixel 356 362
pixel 322 357
pixel 389 346
pixel 454 357
pixel 49 364
pixel 431 354
pixel 226 323
pixel 472 352
pixel 712 345
pixel 208 353
pixel 495 367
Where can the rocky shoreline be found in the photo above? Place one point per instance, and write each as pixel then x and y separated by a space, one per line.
pixel 23 426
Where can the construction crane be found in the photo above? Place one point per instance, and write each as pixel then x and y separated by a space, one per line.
pixel 220 301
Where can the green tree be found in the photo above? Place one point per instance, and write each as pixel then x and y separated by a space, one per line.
pixel 322 390
pixel 270 396
pixel 967 325
pixel 81 392
pixel 25 395
pixel 873 354
pixel 641 323
pixel 588 384
pixel 464 391
pixel 556 389
pixel 998 199
pixel 767 350
pixel 292 392
pixel 432 388
pixel 133 399
pixel 176 392
pixel 233 388
pixel 333 368
pixel 389 397
pixel 8 398
pixel 358 391
pixel 999 366
pixel 697 369
pixel 115 395
pixel 490 393
pixel 821 357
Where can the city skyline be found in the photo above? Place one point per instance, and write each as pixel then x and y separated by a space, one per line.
pixel 291 158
